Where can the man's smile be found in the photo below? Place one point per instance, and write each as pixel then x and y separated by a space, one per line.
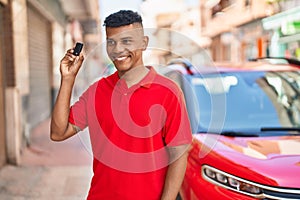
pixel 121 58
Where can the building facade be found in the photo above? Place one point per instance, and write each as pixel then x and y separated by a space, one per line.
pixel 3 156
pixel 284 28
pixel 225 30
pixel 178 30
pixel 244 29
pixel 235 28
pixel 34 36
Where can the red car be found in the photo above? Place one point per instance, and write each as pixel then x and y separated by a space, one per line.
pixel 246 124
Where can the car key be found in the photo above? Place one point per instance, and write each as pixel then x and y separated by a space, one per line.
pixel 77 49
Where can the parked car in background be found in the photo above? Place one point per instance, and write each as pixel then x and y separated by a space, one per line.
pixel 246 124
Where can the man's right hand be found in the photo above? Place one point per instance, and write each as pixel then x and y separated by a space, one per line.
pixel 70 65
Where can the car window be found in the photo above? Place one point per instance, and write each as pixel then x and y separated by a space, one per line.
pixel 252 99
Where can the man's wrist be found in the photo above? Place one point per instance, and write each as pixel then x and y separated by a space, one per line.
pixel 70 80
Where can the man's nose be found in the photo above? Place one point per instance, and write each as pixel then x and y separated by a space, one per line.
pixel 119 47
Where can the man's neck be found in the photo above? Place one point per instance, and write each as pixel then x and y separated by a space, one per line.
pixel 134 75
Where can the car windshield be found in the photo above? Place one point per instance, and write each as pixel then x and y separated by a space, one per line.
pixel 244 101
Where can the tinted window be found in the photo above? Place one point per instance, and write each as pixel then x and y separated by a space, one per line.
pixel 247 101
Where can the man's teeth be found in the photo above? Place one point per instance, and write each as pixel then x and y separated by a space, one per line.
pixel 121 58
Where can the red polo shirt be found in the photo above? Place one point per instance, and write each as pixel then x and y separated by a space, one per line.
pixel 129 130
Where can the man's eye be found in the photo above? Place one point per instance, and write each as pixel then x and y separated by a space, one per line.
pixel 126 41
pixel 110 42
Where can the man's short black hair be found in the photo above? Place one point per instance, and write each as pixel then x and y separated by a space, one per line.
pixel 122 18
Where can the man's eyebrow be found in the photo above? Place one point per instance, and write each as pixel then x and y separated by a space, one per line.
pixel 123 38
pixel 129 37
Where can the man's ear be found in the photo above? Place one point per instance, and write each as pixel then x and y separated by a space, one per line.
pixel 145 43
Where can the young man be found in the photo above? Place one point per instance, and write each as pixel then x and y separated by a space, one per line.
pixel 137 119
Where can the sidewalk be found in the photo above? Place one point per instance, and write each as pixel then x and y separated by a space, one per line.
pixel 49 170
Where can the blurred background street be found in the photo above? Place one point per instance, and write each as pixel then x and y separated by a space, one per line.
pixel 34 35
pixel 48 170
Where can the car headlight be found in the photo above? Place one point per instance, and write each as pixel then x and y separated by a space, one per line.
pixel 221 178
pixel 246 187
pixel 231 182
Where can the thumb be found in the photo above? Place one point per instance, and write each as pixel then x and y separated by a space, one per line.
pixel 79 62
pixel 81 59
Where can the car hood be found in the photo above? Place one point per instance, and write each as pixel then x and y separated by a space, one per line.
pixel 275 157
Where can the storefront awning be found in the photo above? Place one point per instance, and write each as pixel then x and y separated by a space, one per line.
pixel 276 21
pixel 290 38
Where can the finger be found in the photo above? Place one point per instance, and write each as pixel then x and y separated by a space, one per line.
pixel 68 59
pixel 81 57
pixel 70 51
pixel 79 60
pixel 70 56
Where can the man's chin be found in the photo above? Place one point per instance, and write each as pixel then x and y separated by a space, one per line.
pixel 122 68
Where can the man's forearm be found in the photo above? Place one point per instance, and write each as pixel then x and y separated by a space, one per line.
pixel 69 67
pixel 174 178
pixel 60 114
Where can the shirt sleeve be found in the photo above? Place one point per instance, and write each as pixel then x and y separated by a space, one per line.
pixel 177 130
pixel 78 111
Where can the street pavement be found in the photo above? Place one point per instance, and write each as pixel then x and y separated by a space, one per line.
pixel 49 170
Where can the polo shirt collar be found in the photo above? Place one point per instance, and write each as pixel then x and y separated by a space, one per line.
pixel 148 79
pixel 145 82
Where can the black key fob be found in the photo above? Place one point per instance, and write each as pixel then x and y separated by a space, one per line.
pixel 77 49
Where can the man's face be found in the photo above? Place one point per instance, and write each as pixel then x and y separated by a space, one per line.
pixel 124 46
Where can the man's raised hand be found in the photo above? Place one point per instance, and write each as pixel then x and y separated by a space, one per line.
pixel 70 64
